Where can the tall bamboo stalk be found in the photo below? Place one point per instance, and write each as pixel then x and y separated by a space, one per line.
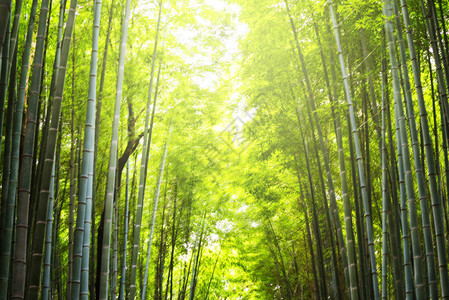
pixel 48 241
pixel 6 57
pixel 153 218
pixel 399 111
pixel 23 202
pixel 104 277
pixel 352 261
pixel 409 289
pixel 323 289
pixel 330 184
pixel 422 185
pixel 432 13
pixel 144 164
pixel 73 179
pixel 391 190
pixel 368 217
pixel 80 271
pixel 385 210
pixel 93 265
pixel 5 12
pixel 6 234
pixel 114 255
pixel 125 237
pixel 38 236
pixel 14 33
pixel 8 138
pixel 442 86
pixel 430 160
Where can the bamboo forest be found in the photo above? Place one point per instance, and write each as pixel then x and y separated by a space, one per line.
pixel 224 149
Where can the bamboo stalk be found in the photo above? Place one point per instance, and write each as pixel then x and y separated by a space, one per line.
pixel 153 218
pixel 368 217
pixel 144 164
pixel 38 236
pixel 7 230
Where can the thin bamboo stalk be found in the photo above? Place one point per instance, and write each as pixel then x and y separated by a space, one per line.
pixel 399 111
pixel 104 277
pixel 48 241
pixel 12 96
pixel 368 218
pixel 144 164
pixel 94 266
pixel 352 262
pixel 84 218
pixel 26 167
pixel 7 230
pixel 125 237
pixel 153 218
pixel 422 185
pixel 430 160
pixel 442 86
pixel 38 236
pixel 385 210
pixel 323 289
pixel 330 184
pixel 5 11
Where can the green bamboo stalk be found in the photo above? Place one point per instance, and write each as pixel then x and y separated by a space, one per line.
pixel 14 32
pixel 6 245
pixel 23 202
pixel 6 57
pixel 213 272
pixel 422 185
pixel 436 136
pixel 55 287
pixel 43 100
pixel 153 218
pixel 404 220
pixel 323 290
pixel 174 236
pixel 442 87
pixel 48 241
pixel 38 236
pixel 144 165
pixel 158 283
pixel 393 213
pixel 5 12
pixel 81 249
pixel 430 160
pixel 352 262
pixel 369 72
pixel 106 243
pixel 84 288
pixel 330 184
pixel 8 137
pixel 309 241
pixel 125 237
pixel 93 265
pixel 368 218
pixel 73 172
pixel 5 26
pixel 361 241
pixel 115 242
pixel 329 216
pixel 385 210
pixel 416 245
pixel 436 26
pixel 443 23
